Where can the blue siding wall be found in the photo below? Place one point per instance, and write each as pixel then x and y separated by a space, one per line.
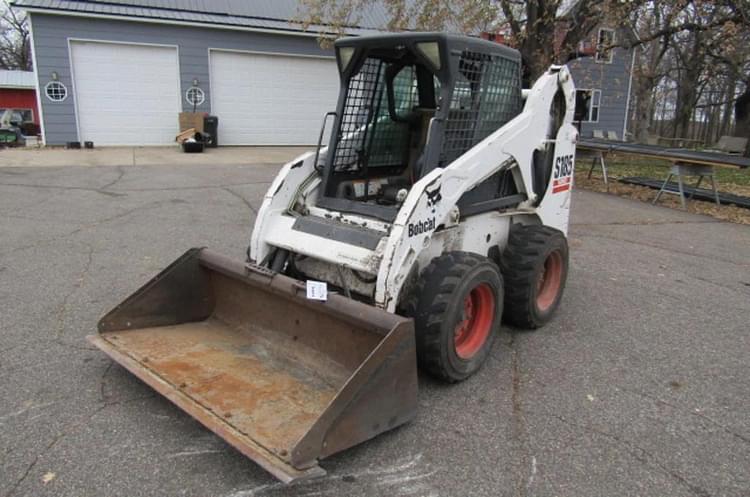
pixel 612 79
pixel 52 32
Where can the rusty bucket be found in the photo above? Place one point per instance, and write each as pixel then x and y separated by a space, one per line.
pixel 285 380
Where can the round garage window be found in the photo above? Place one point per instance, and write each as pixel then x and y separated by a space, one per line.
pixel 56 91
pixel 195 96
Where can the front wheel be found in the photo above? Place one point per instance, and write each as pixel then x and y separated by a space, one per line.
pixel 457 307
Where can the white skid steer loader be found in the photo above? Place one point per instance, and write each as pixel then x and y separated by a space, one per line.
pixel 439 207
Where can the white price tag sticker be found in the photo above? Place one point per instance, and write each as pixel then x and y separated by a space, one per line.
pixel 317 290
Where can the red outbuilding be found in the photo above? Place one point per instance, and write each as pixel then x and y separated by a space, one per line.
pixel 18 95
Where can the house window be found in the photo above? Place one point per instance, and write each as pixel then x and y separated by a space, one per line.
pixel 606 38
pixel 588 103
pixel 195 96
pixel 56 91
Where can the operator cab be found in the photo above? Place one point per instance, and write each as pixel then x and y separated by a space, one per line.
pixel 410 103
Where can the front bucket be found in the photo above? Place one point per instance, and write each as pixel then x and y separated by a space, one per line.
pixel 285 380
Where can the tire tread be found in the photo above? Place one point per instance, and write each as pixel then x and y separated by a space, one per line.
pixel 428 303
pixel 519 262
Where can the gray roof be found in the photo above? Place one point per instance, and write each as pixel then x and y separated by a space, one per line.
pixel 17 79
pixel 281 15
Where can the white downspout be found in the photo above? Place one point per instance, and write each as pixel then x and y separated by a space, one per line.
pixel 36 82
pixel 627 103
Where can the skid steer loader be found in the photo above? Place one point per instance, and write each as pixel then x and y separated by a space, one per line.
pixel 439 206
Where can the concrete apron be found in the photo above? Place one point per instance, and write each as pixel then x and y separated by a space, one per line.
pixel 146 156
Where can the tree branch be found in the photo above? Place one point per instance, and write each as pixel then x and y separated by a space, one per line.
pixel 515 27
pixel 687 26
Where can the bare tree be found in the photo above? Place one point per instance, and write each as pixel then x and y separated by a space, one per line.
pixel 544 31
pixel 15 45
pixel 685 41
pixel 705 44
pixel 550 31
pixel 729 63
pixel 648 69
pixel 423 15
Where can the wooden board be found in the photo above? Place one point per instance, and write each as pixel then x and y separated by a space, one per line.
pixel 673 154
pixel 192 120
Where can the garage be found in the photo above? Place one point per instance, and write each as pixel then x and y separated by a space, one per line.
pixel 126 94
pixel 265 99
pixel 120 73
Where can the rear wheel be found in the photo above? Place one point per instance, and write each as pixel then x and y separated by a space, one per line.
pixel 535 267
pixel 456 306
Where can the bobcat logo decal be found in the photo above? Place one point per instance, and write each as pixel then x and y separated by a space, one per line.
pixel 433 197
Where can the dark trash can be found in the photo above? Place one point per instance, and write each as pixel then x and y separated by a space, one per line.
pixel 192 147
pixel 195 144
pixel 211 127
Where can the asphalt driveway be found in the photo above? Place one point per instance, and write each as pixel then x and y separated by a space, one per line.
pixel 640 386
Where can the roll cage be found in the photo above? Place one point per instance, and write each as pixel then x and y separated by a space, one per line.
pixel 408 104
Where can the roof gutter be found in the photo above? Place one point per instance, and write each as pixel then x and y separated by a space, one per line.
pixel 155 20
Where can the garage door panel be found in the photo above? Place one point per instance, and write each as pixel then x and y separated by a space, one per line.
pixel 271 99
pixel 126 94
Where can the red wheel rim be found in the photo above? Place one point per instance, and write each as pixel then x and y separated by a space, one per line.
pixel 550 280
pixel 474 328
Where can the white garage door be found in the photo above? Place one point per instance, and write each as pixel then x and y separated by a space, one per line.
pixel 271 99
pixel 126 94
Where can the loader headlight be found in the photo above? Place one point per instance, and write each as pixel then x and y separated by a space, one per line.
pixel 431 50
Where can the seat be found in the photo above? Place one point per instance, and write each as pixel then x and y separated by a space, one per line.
pixel 418 142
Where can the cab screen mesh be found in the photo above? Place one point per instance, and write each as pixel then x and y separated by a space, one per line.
pixel 367 135
pixel 487 94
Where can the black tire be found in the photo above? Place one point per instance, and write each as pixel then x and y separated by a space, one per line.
pixel 535 267
pixel 457 307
